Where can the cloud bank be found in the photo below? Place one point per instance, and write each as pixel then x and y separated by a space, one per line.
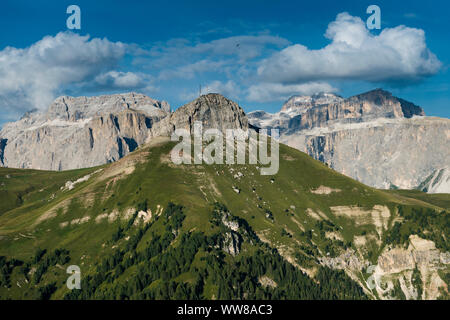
pixel 254 68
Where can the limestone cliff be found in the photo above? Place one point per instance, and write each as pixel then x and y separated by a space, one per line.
pixel 376 138
pixel 80 132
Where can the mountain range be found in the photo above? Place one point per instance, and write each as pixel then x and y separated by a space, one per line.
pixel 89 131
pixel 375 138
pixel 141 227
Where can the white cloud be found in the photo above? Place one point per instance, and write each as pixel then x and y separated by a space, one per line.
pixel 269 92
pixel 396 54
pixel 180 58
pixel 120 80
pixel 245 47
pixel 31 77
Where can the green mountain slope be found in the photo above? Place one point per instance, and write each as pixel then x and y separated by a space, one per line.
pixel 144 228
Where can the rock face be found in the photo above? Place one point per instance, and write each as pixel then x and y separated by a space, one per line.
pixel 400 264
pixel 89 131
pixel 415 269
pixel 376 138
pixel 80 132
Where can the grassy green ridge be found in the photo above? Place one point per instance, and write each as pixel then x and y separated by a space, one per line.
pixel 20 188
pixel 37 212
pixel 440 199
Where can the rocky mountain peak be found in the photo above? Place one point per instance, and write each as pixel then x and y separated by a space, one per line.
pixel 29 113
pixel 319 110
pixel 213 110
pixel 213 101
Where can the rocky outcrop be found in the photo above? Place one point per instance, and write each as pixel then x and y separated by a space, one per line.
pixel 89 131
pixel 380 103
pixel 412 272
pixel 415 269
pixel 231 243
pixel 308 102
pixel 376 138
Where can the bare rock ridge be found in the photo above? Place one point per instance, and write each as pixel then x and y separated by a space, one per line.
pixel 321 110
pixel 88 131
pixel 376 138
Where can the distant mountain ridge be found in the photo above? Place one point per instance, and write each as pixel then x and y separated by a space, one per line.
pixel 298 102
pixel 306 112
pixel 375 137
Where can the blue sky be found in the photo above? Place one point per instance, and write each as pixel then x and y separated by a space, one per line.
pixel 255 52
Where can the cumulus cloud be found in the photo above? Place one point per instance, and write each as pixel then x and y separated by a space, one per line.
pixel 180 58
pixel 31 77
pixel 245 47
pixel 269 92
pixel 395 55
